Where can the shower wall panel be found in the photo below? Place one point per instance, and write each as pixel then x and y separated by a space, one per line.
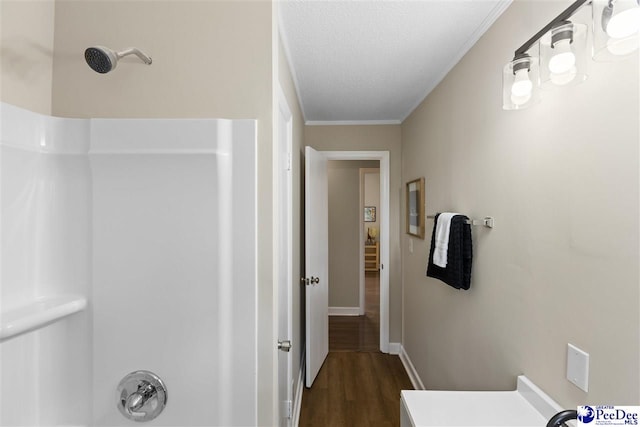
pixel 149 228
pixel 45 254
pixel 174 266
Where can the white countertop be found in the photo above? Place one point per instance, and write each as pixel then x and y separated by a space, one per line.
pixel 525 406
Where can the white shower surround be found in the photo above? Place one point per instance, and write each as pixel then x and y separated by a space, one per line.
pixel 154 223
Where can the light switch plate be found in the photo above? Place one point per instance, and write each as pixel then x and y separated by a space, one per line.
pixel 410 245
pixel 578 367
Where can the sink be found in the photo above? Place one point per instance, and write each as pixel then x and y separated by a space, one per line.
pixel 528 405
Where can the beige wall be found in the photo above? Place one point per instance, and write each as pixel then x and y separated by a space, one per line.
pixel 561 264
pixel 210 59
pixel 26 53
pixel 344 231
pixel 375 138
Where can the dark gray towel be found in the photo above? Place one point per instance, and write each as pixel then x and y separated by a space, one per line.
pixel 457 273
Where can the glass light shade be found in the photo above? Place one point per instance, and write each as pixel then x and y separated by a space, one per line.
pixel 616 29
pixel 520 83
pixel 563 56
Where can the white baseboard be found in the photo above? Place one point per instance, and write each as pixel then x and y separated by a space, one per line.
pixel 344 311
pixel 411 370
pixel 297 399
pixel 394 348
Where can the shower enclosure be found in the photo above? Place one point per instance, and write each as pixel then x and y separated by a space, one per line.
pixel 126 245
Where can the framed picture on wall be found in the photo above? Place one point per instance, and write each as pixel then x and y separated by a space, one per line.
pixel 370 214
pixel 415 208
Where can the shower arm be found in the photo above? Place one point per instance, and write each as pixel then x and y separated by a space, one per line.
pixel 134 51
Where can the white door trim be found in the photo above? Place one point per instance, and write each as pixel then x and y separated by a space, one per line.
pixel 283 226
pixel 383 157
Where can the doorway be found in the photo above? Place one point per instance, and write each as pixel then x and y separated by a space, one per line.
pixel 326 401
pixel 316 253
pixel 354 285
pixel 378 283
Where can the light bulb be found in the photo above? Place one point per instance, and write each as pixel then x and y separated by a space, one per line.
pixel 522 86
pixel 563 59
pixel 564 78
pixel 519 100
pixel 624 23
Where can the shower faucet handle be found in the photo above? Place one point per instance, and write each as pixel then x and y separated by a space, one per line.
pixel 141 396
pixel 138 399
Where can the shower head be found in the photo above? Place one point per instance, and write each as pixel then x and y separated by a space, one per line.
pixel 102 59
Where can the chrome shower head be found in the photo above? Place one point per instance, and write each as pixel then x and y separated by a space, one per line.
pixel 102 59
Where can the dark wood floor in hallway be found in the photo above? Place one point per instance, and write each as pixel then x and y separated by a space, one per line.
pixel 357 385
pixel 359 333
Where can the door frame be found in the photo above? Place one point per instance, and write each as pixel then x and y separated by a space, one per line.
pixel 283 223
pixel 383 158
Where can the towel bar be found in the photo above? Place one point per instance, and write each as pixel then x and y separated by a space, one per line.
pixel 487 221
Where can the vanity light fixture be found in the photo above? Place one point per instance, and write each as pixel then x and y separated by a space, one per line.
pixel 520 76
pixel 556 55
pixel 563 54
pixel 616 24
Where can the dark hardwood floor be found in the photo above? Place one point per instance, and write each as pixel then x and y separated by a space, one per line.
pixel 355 389
pixel 359 333
pixel 357 385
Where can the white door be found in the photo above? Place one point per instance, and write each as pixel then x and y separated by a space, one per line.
pixel 284 260
pixel 316 229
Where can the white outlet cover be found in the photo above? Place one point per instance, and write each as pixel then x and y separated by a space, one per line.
pixel 578 367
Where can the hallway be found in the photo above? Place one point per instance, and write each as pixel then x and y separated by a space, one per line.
pixel 359 333
pixel 357 385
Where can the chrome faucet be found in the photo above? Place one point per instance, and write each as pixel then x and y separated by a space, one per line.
pixel 141 396
pixel 136 400
pixel 558 420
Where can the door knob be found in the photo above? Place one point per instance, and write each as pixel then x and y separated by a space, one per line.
pixel 310 281
pixel 284 345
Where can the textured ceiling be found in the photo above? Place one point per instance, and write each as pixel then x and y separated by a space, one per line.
pixel 362 61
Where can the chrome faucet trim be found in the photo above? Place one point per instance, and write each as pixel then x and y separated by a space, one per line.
pixel 136 400
pixel 141 396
